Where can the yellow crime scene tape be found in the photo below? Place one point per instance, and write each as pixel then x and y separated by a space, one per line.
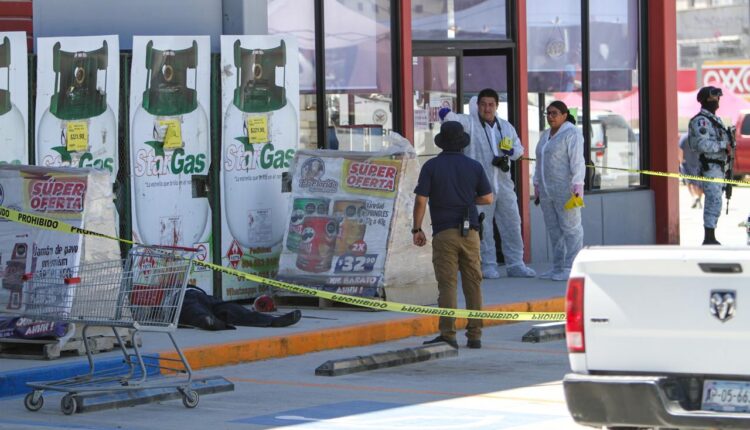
pixel 60 226
pixel 665 174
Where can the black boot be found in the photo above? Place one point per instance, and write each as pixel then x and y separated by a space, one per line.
pixel 286 319
pixel 709 238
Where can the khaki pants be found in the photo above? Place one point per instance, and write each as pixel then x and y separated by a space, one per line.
pixel 452 253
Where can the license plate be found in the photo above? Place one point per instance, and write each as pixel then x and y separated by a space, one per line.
pixel 726 396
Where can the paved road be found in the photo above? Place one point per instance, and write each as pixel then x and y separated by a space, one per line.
pixel 505 385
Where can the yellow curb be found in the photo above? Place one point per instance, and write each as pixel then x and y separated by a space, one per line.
pixel 223 354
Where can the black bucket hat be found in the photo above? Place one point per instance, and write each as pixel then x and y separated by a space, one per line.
pixel 452 137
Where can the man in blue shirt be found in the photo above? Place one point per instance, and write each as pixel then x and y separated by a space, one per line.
pixel 453 184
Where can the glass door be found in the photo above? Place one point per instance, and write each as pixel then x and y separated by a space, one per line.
pixel 482 71
pixel 451 81
pixel 435 87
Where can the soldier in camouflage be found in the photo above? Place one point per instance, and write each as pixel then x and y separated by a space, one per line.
pixel 710 139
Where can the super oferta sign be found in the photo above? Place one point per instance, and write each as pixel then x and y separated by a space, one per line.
pixel 373 177
pixel 57 195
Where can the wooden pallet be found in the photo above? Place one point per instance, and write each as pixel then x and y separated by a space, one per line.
pixel 51 349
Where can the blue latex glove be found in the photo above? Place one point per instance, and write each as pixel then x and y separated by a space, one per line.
pixel 509 152
pixel 443 112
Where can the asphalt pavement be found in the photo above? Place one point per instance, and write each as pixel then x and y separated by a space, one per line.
pixel 320 329
pixel 505 385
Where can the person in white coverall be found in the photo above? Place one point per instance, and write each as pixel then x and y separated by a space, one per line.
pixel 559 174
pixel 488 131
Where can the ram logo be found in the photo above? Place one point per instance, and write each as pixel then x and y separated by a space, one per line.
pixel 723 304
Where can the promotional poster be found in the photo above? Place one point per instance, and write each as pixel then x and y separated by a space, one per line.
pixel 260 95
pixel 14 98
pixel 338 231
pixel 77 101
pixel 170 145
pixel 24 249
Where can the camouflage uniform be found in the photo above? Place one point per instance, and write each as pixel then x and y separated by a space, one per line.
pixel 709 139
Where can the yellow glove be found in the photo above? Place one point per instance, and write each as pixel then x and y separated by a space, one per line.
pixel 574 202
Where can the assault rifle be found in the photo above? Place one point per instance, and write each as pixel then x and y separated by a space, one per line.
pixel 730 163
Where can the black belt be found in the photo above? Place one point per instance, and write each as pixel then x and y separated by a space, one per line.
pixel 706 161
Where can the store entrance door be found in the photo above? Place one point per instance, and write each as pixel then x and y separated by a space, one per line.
pixel 451 80
pixel 443 79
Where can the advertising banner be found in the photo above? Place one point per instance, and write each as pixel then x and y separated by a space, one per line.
pixel 78 80
pixel 733 75
pixel 260 95
pixel 14 98
pixel 170 145
pixel 54 193
pixel 341 211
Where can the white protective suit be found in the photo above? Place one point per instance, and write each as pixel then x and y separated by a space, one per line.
pixel 504 207
pixel 559 165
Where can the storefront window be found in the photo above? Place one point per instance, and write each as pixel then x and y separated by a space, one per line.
pixel 614 93
pixel 359 93
pixel 434 88
pixel 298 18
pixel 459 19
pixel 555 73
pixel 554 62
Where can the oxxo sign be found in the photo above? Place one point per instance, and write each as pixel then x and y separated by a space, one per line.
pixel 734 76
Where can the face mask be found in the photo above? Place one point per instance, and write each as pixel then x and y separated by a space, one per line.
pixel 711 106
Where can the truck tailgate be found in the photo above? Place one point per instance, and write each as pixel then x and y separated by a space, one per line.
pixel 649 309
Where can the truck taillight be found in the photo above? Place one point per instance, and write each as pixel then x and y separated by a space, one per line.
pixel 574 319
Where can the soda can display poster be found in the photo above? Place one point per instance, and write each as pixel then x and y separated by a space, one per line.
pixel 48 254
pixel 170 145
pixel 14 98
pixel 260 97
pixel 341 211
pixel 78 80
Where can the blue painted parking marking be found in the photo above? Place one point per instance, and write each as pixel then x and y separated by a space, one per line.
pixel 14 382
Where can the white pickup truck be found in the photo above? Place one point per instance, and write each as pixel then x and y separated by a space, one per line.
pixel 659 337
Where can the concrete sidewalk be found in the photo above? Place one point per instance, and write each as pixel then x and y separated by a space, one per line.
pixel 319 329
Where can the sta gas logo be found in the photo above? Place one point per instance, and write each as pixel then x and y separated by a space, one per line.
pixel 245 157
pixel 157 162
pixel 65 158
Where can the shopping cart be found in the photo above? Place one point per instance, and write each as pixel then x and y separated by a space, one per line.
pixel 143 292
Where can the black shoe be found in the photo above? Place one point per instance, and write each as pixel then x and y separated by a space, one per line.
pixel 286 319
pixel 451 342
pixel 474 343
pixel 709 237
